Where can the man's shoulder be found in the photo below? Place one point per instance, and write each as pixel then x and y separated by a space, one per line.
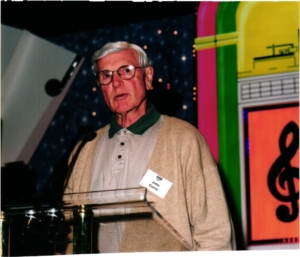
pixel 180 130
pixel 95 134
pixel 177 124
pixel 102 129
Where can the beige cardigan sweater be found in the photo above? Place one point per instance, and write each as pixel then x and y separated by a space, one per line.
pixel 195 205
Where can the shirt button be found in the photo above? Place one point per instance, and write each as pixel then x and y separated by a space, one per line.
pixel 122 143
pixel 119 156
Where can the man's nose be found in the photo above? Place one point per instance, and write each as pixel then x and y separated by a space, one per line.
pixel 116 80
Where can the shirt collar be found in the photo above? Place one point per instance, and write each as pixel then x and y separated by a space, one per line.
pixel 140 126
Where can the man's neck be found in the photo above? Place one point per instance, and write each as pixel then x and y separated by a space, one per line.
pixel 127 119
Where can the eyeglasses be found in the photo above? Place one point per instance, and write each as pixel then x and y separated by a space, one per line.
pixel 126 72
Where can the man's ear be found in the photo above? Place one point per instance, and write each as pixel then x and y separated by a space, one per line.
pixel 149 71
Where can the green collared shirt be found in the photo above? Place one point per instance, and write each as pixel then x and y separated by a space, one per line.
pixel 140 126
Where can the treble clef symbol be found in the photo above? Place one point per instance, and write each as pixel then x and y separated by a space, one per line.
pixel 286 174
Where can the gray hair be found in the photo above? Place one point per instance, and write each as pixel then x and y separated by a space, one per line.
pixel 114 47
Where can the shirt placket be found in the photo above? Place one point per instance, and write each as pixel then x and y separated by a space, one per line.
pixel 119 163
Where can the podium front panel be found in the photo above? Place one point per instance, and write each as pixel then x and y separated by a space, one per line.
pixel 90 222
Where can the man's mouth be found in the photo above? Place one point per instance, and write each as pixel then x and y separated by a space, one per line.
pixel 120 96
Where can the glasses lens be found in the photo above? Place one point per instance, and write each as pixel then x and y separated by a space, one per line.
pixel 104 77
pixel 126 72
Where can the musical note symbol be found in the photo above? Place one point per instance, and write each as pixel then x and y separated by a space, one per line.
pixel 285 173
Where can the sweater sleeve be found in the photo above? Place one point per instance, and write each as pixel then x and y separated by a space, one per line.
pixel 209 216
pixel 78 179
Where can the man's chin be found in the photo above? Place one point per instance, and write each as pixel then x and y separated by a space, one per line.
pixel 121 109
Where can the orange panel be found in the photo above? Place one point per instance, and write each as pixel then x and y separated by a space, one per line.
pixel 265 127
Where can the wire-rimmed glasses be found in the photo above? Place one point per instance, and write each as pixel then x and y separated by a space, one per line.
pixel 126 72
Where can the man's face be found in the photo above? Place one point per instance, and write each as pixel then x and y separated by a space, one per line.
pixel 124 96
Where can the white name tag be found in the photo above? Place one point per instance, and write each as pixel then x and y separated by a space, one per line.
pixel 155 183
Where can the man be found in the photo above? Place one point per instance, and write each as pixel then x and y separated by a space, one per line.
pixel 139 139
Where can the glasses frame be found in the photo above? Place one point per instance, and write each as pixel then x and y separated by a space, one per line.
pixel 111 73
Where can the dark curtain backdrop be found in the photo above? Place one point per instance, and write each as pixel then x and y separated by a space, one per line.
pixel 169 45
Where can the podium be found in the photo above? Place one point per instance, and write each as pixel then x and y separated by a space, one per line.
pixel 77 224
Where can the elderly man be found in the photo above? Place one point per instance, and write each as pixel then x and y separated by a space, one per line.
pixel 139 139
